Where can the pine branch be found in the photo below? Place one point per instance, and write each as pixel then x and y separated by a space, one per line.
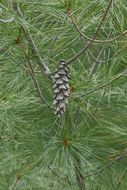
pixel 102 86
pixel 33 77
pixel 7 52
pixel 110 164
pixel 100 41
pixel 94 36
pixel 57 175
pixel 98 58
pixel 44 68
pixel 16 182
pixel 97 41
pixel 110 59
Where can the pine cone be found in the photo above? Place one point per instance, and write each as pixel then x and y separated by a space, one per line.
pixel 61 88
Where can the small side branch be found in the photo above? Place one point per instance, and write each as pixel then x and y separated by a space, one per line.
pixel 110 59
pixel 16 182
pixel 33 76
pixel 57 175
pixel 98 58
pixel 102 86
pixel 60 177
pixel 44 68
pixel 7 21
pixel 94 36
pixel 7 52
pixel 37 85
pixel 110 164
pixel 100 41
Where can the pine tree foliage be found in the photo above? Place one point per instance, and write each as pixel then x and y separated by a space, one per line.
pixel 86 148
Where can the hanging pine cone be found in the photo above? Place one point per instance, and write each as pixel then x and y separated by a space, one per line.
pixel 61 88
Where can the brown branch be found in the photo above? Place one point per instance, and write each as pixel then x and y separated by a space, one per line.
pixel 33 76
pixel 90 39
pixel 110 59
pixel 110 164
pixel 15 61
pixel 98 58
pixel 100 41
pixel 37 85
pixel 16 182
pixel 57 175
pixel 102 86
pixel 94 36
pixel 122 177
pixel 102 20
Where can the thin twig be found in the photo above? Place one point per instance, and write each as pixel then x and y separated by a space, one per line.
pixel 57 175
pixel 121 178
pixel 33 77
pixel 94 36
pixel 110 59
pixel 37 86
pixel 108 165
pixel 100 41
pixel 15 61
pixel 16 182
pixel 44 68
pixel 102 86
pixel 91 39
pixel 98 58
pixel 7 21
